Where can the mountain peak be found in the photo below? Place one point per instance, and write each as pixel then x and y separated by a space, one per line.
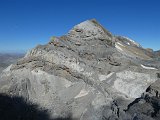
pixel 89 29
pixel 89 75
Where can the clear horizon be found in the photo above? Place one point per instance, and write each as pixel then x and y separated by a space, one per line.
pixel 26 23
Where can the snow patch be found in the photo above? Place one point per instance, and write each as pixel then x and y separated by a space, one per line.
pixel 145 67
pixel 118 47
pixel 82 93
pixel 120 44
pixel 138 45
pixel 104 77
pixel 128 43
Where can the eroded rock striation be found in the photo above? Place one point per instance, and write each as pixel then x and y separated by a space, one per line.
pixel 88 74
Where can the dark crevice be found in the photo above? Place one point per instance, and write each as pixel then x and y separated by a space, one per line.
pixel 131 104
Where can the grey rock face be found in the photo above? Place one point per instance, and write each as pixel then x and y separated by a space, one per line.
pixel 88 74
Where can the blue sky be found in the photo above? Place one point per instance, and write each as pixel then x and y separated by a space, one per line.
pixel 27 23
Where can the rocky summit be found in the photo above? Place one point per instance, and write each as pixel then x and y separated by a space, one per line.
pixel 88 74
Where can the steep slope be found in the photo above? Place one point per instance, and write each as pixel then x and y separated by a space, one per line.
pixel 133 49
pixel 81 74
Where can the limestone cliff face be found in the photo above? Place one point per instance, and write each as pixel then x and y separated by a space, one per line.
pixel 88 73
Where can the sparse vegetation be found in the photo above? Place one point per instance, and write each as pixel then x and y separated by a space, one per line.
pixel 52 38
pixel 98 24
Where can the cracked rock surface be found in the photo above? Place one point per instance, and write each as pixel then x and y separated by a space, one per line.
pixel 89 74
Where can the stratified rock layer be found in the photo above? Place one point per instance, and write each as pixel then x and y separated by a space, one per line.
pixel 88 74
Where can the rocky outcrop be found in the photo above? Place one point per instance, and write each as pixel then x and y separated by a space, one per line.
pixel 133 49
pixel 154 89
pixel 83 74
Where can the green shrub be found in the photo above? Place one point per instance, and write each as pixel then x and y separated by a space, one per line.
pixel 52 38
